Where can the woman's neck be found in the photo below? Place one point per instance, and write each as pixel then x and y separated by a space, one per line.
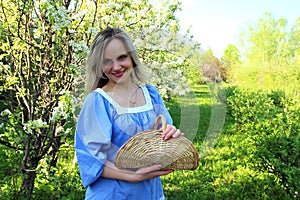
pixel 125 88
pixel 127 95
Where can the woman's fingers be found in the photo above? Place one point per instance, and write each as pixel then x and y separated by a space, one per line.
pixel 149 169
pixel 171 131
pixel 178 133
pixel 151 172
pixel 168 132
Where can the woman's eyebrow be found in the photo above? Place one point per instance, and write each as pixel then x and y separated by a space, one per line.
pixel 119 54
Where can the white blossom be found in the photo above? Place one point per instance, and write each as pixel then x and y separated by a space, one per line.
pixel 6 112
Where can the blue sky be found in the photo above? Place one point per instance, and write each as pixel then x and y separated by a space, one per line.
pixel 217 23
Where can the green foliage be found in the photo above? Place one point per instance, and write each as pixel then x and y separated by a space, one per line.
pixel 211 67
pixel 268 41
pixel 193 72
pixel 270 58
pixel 229 60
pixel 271 123
pixel 231 56
pixel 269 78
pixel 62 182
pixel 256 157
pixel 10 180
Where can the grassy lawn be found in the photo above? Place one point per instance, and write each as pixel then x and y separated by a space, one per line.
pixel 189 184
pixel 198 103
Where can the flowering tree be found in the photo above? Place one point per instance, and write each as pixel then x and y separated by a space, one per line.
pixel 38 69
pixel 42 51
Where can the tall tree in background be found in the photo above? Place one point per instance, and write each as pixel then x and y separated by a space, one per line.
pixel 270 53
pixel 42 49
pixel 230 58
pixel 268 42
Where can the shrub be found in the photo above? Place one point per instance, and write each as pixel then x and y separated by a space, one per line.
pixel 272 123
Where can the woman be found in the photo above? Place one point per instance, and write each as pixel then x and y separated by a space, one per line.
pixel 117 107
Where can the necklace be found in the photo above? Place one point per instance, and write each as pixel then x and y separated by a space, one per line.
pixel 131 98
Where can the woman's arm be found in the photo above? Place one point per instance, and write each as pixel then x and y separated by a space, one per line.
pixel 111 171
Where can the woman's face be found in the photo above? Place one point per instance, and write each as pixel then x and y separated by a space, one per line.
pixel 117 63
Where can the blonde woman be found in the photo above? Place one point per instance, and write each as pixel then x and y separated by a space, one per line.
pixel 118 105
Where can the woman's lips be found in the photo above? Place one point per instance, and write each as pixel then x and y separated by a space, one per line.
pixel 118 74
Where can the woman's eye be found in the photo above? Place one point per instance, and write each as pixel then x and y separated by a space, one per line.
pixel 107 62
pixel 123 57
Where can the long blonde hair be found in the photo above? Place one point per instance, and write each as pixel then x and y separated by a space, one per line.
pixel 95 78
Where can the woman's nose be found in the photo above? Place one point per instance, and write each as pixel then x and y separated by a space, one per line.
pixel 115 65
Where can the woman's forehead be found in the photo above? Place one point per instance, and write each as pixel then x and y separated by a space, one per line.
pixel 115 46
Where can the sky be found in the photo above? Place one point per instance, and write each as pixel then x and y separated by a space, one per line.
pixel 217 23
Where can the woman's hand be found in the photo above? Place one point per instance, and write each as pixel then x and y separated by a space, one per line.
pixel 111 171
pixel 149 173
pixel 171 131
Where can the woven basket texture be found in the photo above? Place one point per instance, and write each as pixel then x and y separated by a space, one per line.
pixel 148 148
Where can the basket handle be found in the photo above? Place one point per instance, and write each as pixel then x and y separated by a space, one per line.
pixel 163 120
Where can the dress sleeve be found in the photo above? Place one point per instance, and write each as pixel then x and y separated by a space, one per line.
pixel 93 137
pixel 158 104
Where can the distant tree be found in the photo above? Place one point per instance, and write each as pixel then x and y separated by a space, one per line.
pixel 211 68
pixel 270 51
pixel 230 58
pixel 268 42
pixel 294 40
pixel 194 70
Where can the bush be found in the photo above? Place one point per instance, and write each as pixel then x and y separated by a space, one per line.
pixel 62 182
pixel 272 124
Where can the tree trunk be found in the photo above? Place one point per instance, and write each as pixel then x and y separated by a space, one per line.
pixel 28 183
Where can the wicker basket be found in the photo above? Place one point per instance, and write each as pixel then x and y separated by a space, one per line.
pixel 148 148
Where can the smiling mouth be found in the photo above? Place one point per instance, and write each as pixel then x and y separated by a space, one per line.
pixel 118 74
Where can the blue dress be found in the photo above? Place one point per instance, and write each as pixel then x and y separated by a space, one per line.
pixel 103 127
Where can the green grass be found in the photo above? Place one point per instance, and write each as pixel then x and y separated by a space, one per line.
pixel 198 102
pixel 188 184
